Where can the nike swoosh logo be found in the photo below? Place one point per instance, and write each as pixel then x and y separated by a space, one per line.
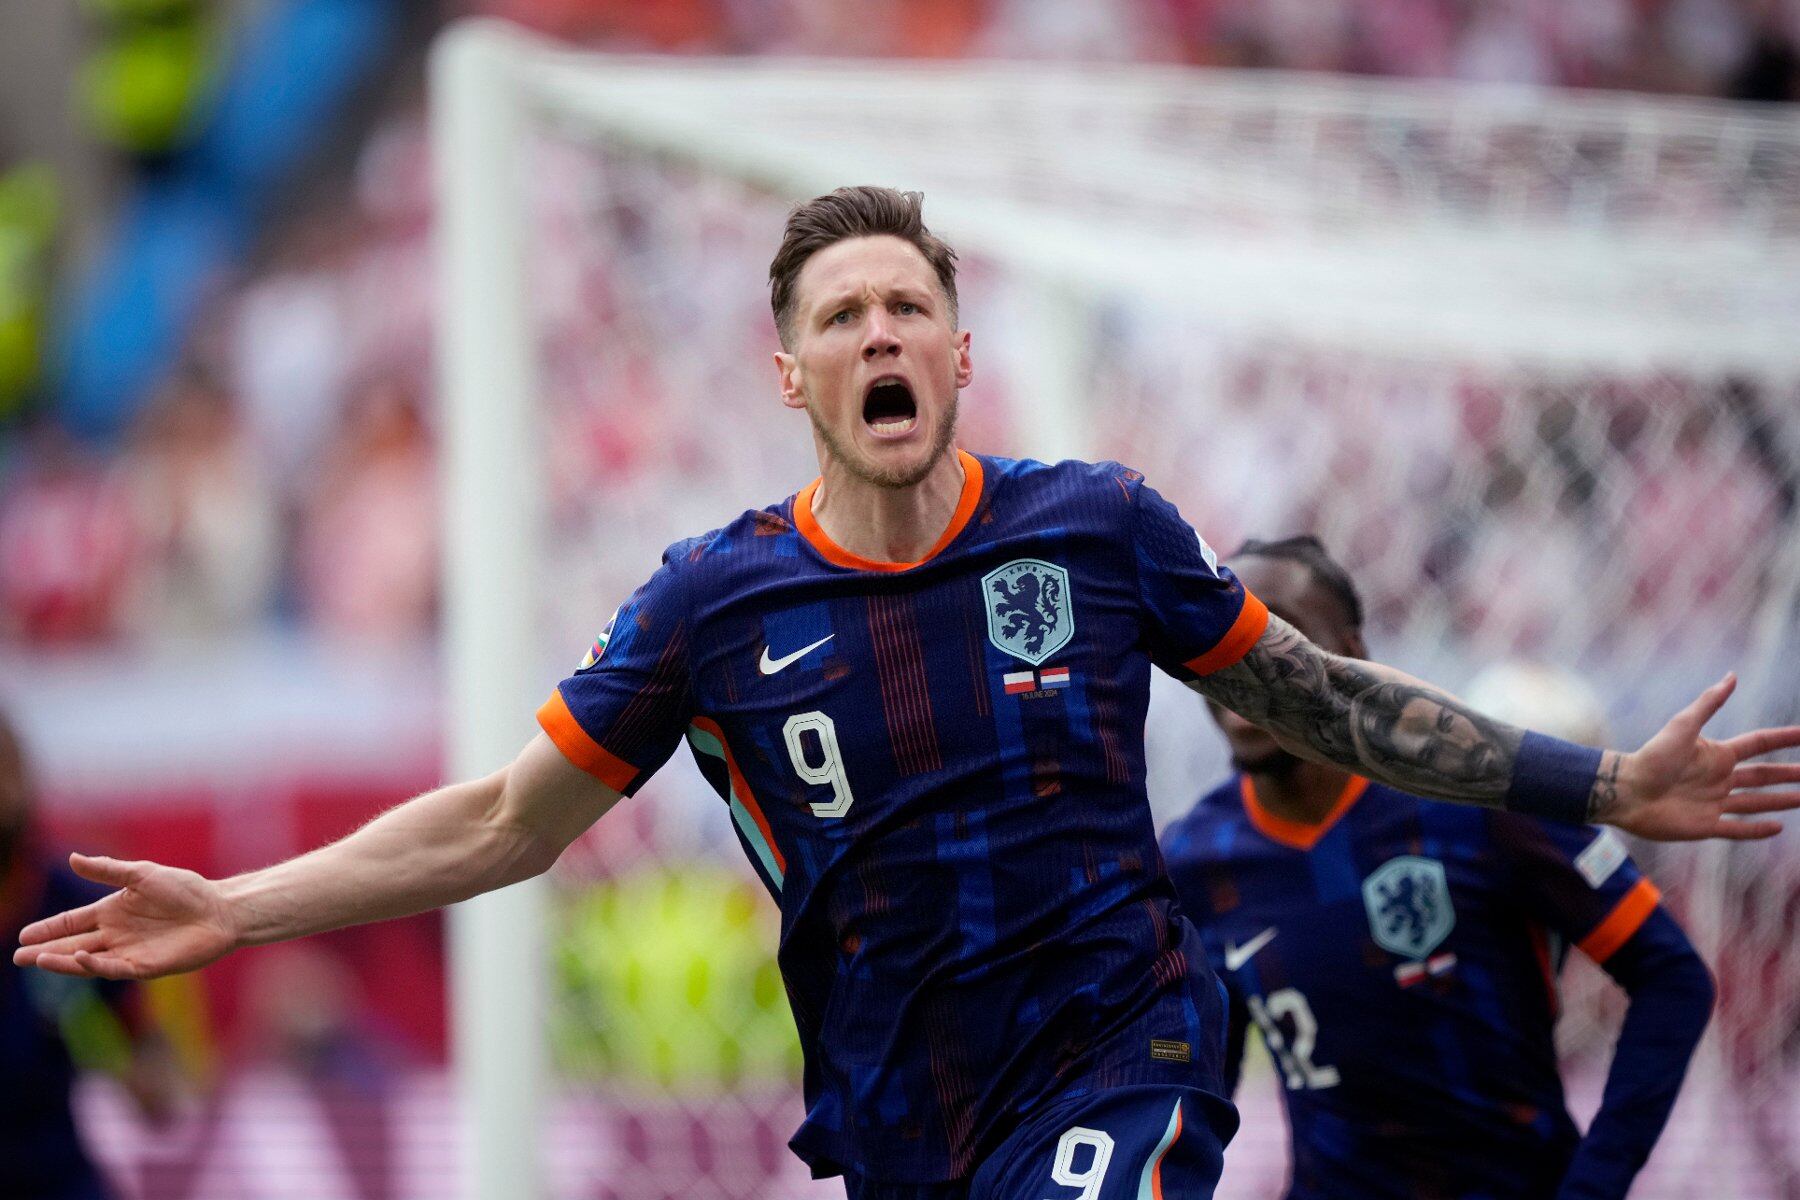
pixel 1237 956
pixel 771 665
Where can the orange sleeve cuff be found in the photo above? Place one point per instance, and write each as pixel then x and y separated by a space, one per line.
pixel 563 729
pixel 1244 633
pixel 1626 918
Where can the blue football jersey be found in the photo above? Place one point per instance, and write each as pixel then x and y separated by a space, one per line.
pixel 938 770
pixel 41 1152
pixel 1400 960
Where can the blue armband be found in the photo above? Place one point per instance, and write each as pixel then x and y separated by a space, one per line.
pixel 1553 779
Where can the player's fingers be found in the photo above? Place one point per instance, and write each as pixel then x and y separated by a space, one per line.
pixel 26 956
pixel 105 966
pixel 1690 720
pixel 1757 775
pixel 111 871
pixel 1763 741
pixel 63 924
pixel 61 964
pixel 94 940
pixel 1762 802
pixel 1746 831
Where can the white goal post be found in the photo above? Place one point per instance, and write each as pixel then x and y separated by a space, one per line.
pixel 1329 251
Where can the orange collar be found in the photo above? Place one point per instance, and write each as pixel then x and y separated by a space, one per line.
pixel 1299 835
pixel 809 528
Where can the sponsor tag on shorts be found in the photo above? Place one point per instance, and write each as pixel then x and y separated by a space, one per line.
pixel 1171 1051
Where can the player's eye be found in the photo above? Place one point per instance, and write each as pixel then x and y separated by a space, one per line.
pixel 841 317
pixel 906 308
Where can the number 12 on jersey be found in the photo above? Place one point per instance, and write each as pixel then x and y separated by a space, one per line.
pixel 1295 1056
pixel 829 772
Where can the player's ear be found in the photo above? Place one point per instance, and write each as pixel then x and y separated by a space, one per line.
pixel 965 366
pixel 792 394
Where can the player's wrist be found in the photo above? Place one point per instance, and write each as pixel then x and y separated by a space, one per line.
pixel 243 913
pixel 1613 788
pixel 1555 780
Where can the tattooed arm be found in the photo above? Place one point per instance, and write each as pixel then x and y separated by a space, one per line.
pixel 1387 725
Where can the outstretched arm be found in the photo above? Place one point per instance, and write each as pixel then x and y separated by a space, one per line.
pixel 1406 733
pixel 437 849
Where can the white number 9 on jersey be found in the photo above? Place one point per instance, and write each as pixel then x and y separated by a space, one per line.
pixel 1089 1179
pixel 830 771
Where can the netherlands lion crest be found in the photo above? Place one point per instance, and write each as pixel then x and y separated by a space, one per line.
pixel 1029 615
pixel 1408 901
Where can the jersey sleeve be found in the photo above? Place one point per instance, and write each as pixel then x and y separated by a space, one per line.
pixel 1578 880
pixel 1197 617
pixel 623 711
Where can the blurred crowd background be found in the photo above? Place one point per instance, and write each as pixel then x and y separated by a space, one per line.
pixel 219 525
pixel 215 289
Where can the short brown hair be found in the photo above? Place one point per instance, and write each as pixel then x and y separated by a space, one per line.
pixel 852 212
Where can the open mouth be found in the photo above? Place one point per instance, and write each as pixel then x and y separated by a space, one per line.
pixel 888 408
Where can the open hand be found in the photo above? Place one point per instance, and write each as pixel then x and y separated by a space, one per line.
pixel 1680 786
pixel 161 921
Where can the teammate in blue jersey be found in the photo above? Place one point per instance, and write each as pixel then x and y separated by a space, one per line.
pixel 919 685
pixel 48 1024
pixel 1400 958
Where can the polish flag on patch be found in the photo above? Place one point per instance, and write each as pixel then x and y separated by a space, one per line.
pixel 1019 681
pixel 1409 973
pixel 1055 677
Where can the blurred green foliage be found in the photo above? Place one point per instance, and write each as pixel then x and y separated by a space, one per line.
pixel 29 215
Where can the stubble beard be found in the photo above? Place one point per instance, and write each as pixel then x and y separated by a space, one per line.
pixel 889 478
pixel 1277 762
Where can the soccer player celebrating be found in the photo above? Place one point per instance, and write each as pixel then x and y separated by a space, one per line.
pixel 920 685
pixel 1400 958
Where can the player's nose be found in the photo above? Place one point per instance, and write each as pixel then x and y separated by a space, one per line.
pixel 880 339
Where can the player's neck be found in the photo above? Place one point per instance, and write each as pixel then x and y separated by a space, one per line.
pixel 1306 793
pixel 897 525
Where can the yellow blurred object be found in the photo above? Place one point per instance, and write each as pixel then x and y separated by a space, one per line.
pixel 141 88
pixel 177 1008
pixel 667 978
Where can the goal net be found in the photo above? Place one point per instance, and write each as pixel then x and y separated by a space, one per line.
pixel 1524 361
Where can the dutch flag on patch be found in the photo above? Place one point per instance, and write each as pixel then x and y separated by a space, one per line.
pixel 1055 677
pixel 1019 681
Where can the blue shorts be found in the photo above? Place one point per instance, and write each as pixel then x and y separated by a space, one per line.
pixel 1146 1142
